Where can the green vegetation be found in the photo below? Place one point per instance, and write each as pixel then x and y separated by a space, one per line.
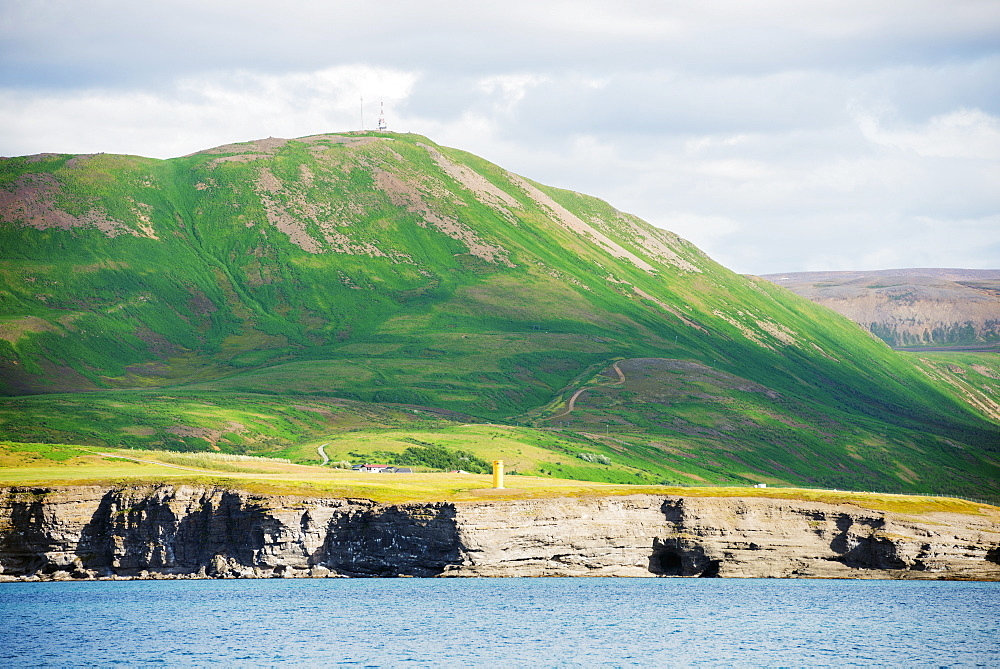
pixel 436 458
pixel 189 421
pixel 21 468
pixel 391 297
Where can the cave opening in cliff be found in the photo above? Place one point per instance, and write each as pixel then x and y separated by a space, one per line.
pixel 670 563
pixel 712 570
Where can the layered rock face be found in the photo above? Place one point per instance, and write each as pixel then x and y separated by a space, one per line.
pixel 730 537
pixel 909 307
pixel 184 531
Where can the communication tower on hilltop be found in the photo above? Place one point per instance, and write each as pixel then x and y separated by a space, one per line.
pixel 382 127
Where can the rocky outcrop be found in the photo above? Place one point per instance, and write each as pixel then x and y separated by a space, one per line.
pixel 186 531
pixel 728 537
pixel 910 307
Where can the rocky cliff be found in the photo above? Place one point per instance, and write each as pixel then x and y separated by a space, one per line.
pixel 185 531
pixel 910 307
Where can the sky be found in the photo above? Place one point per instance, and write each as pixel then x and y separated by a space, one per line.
pixel 776 135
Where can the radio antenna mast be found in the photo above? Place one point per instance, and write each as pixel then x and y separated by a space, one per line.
pixel 382 127
pixel 362 113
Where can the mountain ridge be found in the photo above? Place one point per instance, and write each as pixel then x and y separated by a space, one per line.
pixel 948 273
pixel 910 307
pixel 386 269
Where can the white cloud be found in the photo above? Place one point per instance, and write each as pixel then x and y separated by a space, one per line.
pixel 197 112
pixel 962 133
pixel 509 88
pixel 777 135
pixel 709 229
pixel 917 242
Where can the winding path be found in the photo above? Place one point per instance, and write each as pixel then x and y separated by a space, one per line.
pixel 322 453
pixel 621 374
pixel 570 404
pixel 572 400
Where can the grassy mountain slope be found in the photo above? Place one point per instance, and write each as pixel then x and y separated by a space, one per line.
pixel 384 269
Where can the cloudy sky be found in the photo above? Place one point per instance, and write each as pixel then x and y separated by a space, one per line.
pixel 777 135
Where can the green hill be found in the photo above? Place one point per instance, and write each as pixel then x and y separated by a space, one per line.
pixel 260 297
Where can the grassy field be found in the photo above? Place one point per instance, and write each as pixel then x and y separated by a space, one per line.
pixel 668 423
pixel 45 465
pixel 182 420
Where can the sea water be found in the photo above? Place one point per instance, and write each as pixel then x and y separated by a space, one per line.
pixel 541 622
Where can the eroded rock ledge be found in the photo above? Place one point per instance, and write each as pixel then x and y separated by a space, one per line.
pixel 192 532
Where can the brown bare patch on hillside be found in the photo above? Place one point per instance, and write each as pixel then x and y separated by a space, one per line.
pixel 985 371
pixel 484 190
pixel 346 140
pixel 156 343
pixel 13 330
pixel 97 266
pixel 211 435
pixel 762 332
pixel 139 431
pixel 245 152
pixel 665 382
pixel 32 202
pixel 658 243
pixel 199 303
pixel 575 224
pixel 290 208
pixel 41 157
pixel 15 380
pixel 404 193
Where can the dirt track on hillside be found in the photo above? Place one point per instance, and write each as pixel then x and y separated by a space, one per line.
pixel 572 400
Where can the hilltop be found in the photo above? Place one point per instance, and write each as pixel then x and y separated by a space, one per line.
pixel 379 292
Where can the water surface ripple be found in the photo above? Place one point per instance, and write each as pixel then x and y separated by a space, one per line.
pixel 507 622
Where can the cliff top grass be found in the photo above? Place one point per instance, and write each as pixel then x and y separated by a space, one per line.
pixel 45 465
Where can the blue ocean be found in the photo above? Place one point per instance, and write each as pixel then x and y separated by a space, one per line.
pixel 541 622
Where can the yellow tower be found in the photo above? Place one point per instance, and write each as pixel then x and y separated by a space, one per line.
pixel 498 473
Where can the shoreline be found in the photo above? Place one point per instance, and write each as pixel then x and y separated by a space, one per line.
pixel 168 532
